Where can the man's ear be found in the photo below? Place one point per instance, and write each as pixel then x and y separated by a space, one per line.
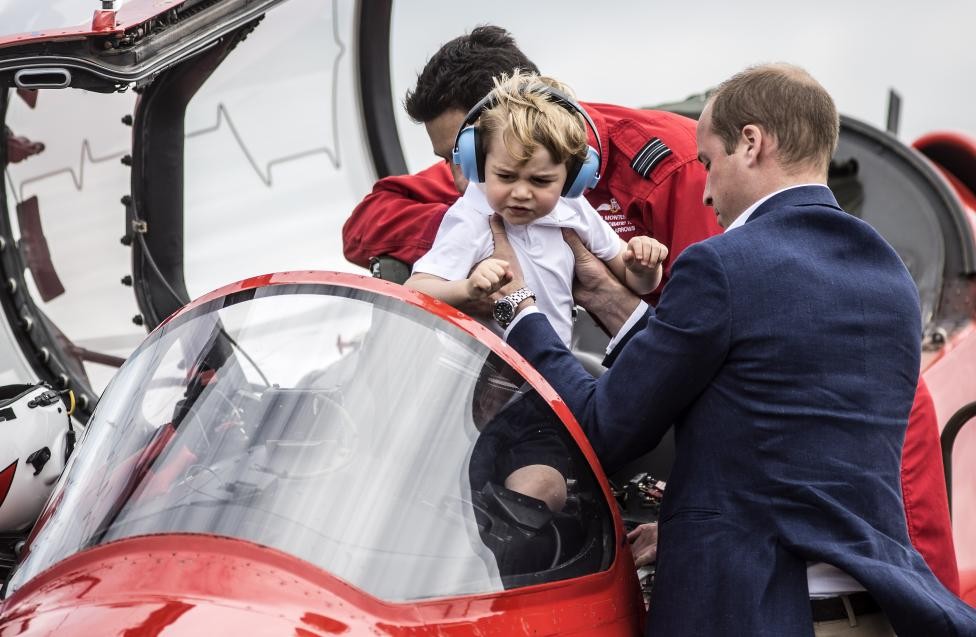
pixel 753 141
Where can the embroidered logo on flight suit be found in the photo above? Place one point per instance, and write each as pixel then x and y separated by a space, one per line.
pixel 649 156
pixel 613 215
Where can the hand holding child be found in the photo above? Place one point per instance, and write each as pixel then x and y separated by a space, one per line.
pixel 644 254
pixel 487 278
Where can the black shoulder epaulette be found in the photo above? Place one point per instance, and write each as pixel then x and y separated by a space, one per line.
pixel 649 156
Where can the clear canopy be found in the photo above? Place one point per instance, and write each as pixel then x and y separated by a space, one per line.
pixel 344 427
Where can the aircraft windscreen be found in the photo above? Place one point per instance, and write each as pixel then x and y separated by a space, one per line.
pixel 273 142
pixel 351 430
pixel 64 207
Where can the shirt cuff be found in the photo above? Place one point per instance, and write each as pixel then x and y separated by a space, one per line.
pixel 531 309
pixel 629 325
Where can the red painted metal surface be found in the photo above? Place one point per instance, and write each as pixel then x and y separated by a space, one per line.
pixel 130 13
pixel 951 372
pixel 103 21
pixel 195 584
pixel 954 155
pixel 951 378
pixel 6 479
pixel 202 585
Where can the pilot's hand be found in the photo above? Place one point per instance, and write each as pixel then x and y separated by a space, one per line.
pixel 504 252
pixel 597 289
pixel 643 544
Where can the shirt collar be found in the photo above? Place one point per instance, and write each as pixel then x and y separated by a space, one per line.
pixel 475 194
pixel 741 219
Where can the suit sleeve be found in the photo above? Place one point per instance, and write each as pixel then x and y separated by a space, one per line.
pixel 635 329
pixel 400 217
pixel 658 373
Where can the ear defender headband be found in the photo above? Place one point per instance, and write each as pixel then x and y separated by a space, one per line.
pixel 469 148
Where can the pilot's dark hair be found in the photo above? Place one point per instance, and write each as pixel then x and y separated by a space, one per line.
pixel 461 72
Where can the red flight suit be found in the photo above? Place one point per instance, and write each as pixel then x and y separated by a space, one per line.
pixel 924 491
pixel 652 184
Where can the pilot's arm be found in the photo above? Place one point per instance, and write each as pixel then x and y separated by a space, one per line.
pixel 400 217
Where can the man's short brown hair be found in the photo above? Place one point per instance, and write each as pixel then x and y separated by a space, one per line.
pixel 787 103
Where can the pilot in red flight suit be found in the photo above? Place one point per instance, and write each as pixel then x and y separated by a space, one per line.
pixel 651 183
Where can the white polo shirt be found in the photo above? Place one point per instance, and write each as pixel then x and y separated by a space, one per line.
pixel 464 239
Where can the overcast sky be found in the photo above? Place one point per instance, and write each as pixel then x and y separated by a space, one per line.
pixel 641 52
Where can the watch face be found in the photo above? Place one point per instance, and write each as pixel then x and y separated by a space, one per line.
pixel 504 312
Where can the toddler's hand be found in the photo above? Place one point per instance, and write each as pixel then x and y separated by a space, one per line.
pixel 644 253
pixel 487 278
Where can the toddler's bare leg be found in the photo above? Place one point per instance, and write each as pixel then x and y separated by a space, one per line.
pixel 541 482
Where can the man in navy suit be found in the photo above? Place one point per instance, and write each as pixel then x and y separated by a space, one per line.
pixel 786 354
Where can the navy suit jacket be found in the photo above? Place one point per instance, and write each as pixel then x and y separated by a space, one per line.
pixel 786 353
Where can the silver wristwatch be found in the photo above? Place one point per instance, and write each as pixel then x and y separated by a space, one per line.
pixel 506 306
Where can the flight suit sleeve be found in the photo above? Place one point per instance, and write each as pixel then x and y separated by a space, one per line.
pixel 678 216
pixel 400 217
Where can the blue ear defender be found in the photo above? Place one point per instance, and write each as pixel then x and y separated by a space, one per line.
pixel 466 155
pixel 587 175
pixel 469 151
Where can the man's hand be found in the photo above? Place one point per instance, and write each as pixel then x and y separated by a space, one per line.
pixel 504 252
pixel 487 278
pixel 643 544
pixel 597 289
pixel 478 309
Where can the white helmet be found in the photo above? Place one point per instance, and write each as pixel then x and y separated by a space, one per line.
pixel 36 438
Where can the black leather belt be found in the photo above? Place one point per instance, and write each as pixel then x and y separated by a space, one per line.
pixel 832 608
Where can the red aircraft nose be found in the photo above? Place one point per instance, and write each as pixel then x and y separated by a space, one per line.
pixel 195 585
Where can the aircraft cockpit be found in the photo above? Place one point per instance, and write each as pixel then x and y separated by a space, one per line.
pixel 322 418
